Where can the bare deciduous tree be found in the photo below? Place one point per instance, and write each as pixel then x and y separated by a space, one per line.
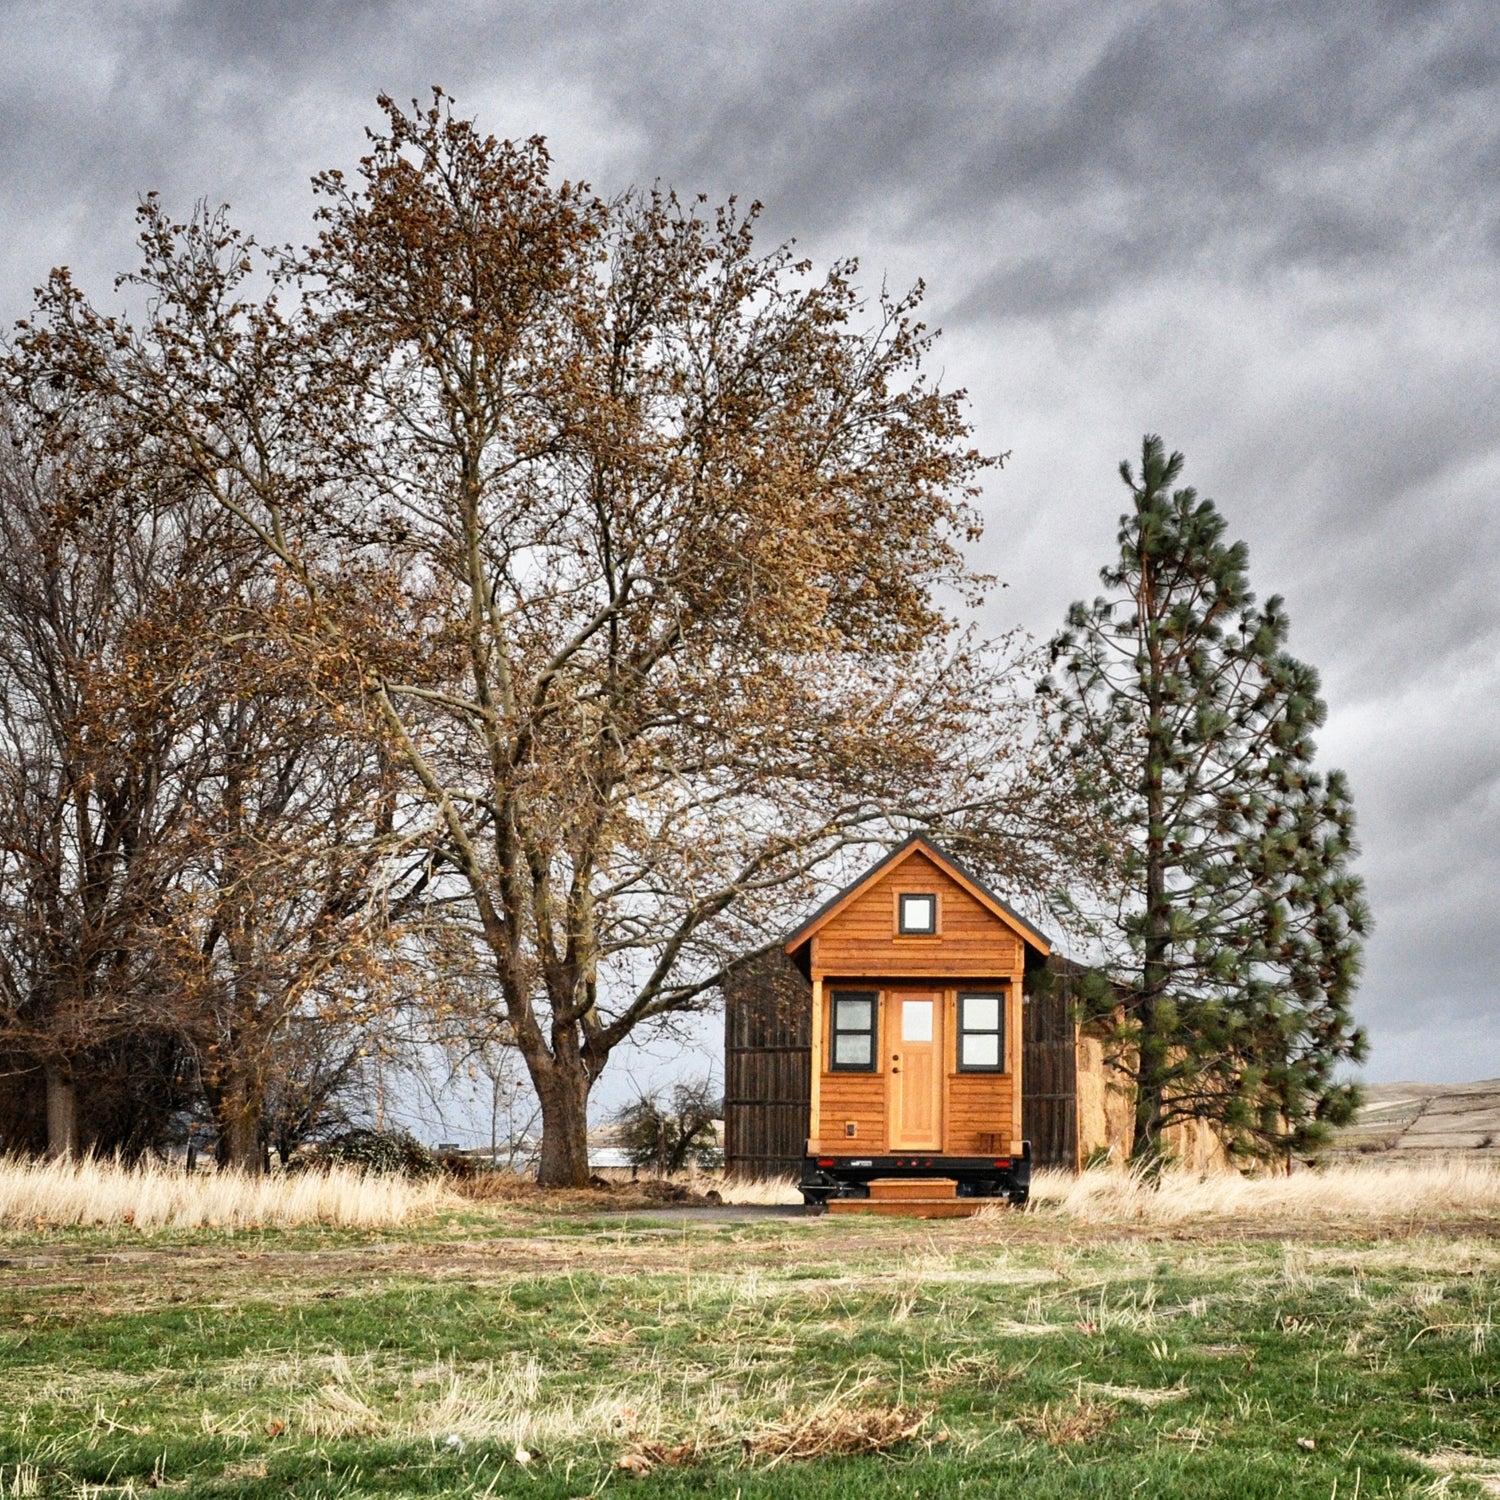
pixel 283 914
pixel 196 844
pixel 92 777
pixel 632 536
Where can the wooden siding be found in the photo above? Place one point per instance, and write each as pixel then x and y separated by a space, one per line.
pixel 862 939
pixel 767 1068
pixel 857 1098
pixel 979 1109
pixel 777 1074
pixel 979 1114
pixel 860 947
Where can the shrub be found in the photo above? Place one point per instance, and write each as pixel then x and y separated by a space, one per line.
pixel 385 1151
pixel 669 1137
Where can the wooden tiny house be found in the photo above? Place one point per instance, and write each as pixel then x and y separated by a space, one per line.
pixel 913 1052
pixel 1075 1107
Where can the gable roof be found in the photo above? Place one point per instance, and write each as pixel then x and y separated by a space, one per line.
pixel 918 844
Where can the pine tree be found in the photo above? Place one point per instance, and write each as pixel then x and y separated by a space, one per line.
pixel 1238 934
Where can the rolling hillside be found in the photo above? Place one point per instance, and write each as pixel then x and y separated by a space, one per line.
pixel 1406 1118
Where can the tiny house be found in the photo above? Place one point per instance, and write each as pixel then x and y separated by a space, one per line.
pixel 913 1052
pixel 847 1110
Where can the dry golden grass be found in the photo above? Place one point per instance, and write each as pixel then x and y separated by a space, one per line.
pixel 1377 1194
pixel 25 1482
pixel 1453 1463
pixel 88 1192
pixel 656 1423
pixel 833 1426
pixel 1069 1422
pixel 94 1193
pixel 503 1403
pixel 761 1190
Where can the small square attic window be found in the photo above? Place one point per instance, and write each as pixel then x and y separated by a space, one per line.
pixel 917 914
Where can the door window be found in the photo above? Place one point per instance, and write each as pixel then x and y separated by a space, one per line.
pixel 916 1020
pixel 914 1094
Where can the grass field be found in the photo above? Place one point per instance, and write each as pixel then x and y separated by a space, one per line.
pixel 1332 1342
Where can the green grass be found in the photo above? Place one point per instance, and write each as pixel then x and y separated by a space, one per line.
pixel 1040 1363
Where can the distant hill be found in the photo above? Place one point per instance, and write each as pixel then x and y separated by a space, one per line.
pixel 1404 1118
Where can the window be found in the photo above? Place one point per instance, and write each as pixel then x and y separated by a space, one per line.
pixel 852 1048
pixel 917 914
pixel 916 1020
pixel 981 1033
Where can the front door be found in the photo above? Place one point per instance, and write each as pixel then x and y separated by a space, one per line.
pixel 915 1099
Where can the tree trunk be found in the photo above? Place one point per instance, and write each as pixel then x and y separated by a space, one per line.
pixel 1155 1045
pixel 237 1111
pixel 1146 1148
pixel 563 1093
pixel 62 1111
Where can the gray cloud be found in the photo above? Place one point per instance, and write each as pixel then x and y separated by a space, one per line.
pixel 1269 233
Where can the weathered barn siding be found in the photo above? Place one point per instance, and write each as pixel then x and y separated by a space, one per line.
pixel 1078 1105
pixel 1049 1072
pixel 1106 1112
pixel 767 1067
pixel 1106 1116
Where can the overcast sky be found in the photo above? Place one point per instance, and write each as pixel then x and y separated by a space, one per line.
pixel 1269 232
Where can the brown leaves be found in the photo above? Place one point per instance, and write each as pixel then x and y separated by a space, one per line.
pixel 641 1458
pixel 621 542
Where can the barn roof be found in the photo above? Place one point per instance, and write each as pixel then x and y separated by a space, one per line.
pixel 916 844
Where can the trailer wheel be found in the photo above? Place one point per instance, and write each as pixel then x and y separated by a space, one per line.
pixel 1019 1197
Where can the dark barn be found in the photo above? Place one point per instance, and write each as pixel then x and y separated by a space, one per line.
pixel 767 1067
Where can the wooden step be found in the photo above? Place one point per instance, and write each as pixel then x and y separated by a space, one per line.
pixel 903 1188
pixel 911 1208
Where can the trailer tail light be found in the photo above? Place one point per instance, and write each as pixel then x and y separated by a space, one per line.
pixel 1002 1162
pixel 827 1161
